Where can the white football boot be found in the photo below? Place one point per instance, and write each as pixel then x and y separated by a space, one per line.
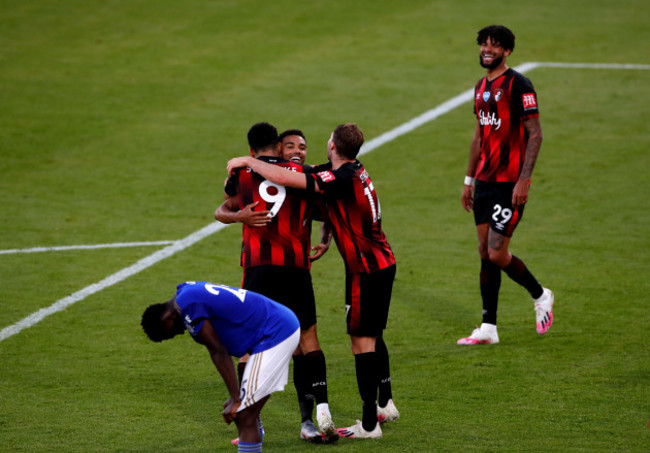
pixel 544 311
pixel 356 431
pixel 325 423
pixel 486 334
pixel 389 413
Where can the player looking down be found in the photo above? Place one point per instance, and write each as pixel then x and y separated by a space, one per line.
pixel 233 322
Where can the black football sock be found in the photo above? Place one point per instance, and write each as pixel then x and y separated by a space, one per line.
pixel 490 284
pixel 518 271
pixel 385 388
pixel 317 370
pixel 305 404
pixel 366 367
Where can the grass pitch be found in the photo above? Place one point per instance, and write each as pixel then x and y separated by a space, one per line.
pixel 118 118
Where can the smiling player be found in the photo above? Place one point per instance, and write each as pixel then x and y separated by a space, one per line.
pixel 503 152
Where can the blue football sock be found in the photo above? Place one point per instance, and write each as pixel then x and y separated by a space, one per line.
pixel 249 447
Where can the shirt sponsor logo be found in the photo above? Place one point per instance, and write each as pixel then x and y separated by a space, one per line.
pixel 326 176
pixel 489 119
pixel 486 95
pixel 530 102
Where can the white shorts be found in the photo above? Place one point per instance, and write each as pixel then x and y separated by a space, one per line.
pixel 267 371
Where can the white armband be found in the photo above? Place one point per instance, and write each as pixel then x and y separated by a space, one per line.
pixel 469 180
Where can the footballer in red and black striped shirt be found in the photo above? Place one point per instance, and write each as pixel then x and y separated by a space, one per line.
pixel 276 262
pixel 285 240
pixel 504 149
pixel 354 211
pixel 502 106
pixel 355 215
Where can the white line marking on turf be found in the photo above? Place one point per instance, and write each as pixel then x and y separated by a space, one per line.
pixel 84 247
pixel 644 67
pixel 111 280
pixel 416 122
pixel 177 246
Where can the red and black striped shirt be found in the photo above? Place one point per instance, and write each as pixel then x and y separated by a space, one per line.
pixel 354 212
pixel 285 241
pixel 501 107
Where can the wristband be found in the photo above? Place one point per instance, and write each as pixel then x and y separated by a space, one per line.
pixel 469 180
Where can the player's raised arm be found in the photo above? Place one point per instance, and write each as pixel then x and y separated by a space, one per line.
pixel 273 173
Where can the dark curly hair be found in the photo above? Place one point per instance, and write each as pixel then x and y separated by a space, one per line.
pixel 262 136
pixel 500 35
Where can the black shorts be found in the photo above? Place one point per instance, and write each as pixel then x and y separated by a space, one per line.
pixel 367 300
pixel 290 286
pixel 493 205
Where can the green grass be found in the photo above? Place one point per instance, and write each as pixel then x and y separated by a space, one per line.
pixel 118 118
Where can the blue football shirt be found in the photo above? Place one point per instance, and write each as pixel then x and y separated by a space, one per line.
pixel 246 322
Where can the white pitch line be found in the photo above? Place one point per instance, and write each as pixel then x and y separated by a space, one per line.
pixel 644 67
pixel 416 122
pixel 117 277
pixel 214 227
pixel 84 247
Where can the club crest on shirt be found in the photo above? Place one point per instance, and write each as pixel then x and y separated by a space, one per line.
pixel 486 95
pixel 498 95
pixel 326 176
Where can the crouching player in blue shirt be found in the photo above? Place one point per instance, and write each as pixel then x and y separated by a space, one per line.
pixel 233 322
